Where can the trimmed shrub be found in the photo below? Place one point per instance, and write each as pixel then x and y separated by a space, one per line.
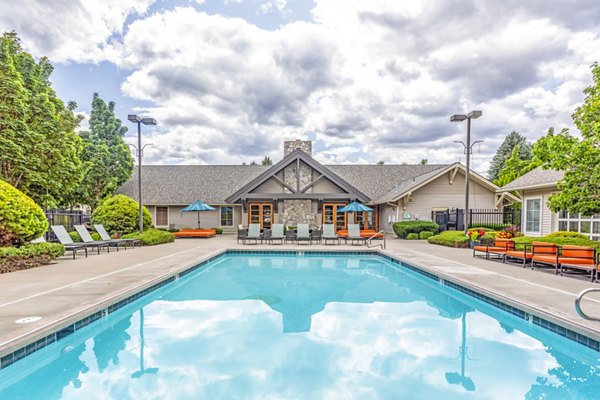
pixel 28 256
pixel 401 229
pixel 219 231
pixel 576 241
pixel 77 239
pixel 450 239
pixel 151 237
pixel 488 238
pixel 21 220
pixel 120 214
pixel 566 234
pixel 412 236
pixel 493 227
pixel 425 234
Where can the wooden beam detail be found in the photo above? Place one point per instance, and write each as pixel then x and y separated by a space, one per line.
pixel 278 179
pixel 299 196
pixel 453 174
pixel 312 183
pixel 297 175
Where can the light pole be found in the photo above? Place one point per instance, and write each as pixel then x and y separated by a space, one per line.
pixel 140 150
pixel 468 149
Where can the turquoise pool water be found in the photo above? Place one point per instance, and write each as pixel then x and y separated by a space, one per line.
pixel 312 327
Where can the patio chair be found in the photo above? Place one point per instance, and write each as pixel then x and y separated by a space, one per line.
pixel 290 235
pixel 316 235
pixel 106 237
pixel 265 236
pixel 69 247
pixel 253 233
pixel 241 233
pixel 498 248
pixel 277 233
pixel 63 237
pixel 303 234
pixel 354 234
pixel 329 233
pixel 89 241
pixel 544 254
pixel 580 258
pixel 524 255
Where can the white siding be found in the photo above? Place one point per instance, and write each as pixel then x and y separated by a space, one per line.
pixel 548 218
pixel 441 194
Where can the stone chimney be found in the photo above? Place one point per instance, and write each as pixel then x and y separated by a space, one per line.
pixel 291 145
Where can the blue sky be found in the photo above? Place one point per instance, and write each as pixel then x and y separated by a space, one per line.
pixel 229 80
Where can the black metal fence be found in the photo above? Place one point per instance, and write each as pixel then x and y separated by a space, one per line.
pixel 489 218
pixel 66 218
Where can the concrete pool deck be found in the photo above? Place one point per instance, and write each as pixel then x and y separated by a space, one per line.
pixel 68 290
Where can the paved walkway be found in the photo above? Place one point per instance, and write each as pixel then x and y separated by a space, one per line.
pixel 63 292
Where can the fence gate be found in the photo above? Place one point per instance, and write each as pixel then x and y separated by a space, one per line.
pixel 66 218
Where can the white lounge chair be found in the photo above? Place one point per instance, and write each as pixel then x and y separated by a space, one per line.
pixel 329 233
pixel 354 234
pixel 303 233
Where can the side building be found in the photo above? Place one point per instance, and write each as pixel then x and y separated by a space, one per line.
pixel 535 188
pixel 299 189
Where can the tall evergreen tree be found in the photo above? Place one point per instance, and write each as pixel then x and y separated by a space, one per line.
pixel 108 161
pixel 39 149
pixel 514 167
pixel 266 161
pixel 505 150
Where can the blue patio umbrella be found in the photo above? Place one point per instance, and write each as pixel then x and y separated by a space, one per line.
pixel 354 207
pixel 198 206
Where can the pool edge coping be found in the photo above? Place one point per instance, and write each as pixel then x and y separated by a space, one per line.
pixel 27 343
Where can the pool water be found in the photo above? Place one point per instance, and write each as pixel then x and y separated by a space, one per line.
pixel 311 327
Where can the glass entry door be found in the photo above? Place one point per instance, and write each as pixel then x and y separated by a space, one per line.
pixel 260 213
pixel 331 216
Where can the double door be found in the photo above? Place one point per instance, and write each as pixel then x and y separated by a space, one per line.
pixel 331 215
pixel 261 213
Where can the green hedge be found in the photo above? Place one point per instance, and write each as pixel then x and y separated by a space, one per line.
pixel 401 229
pixel 450 239
pixel 494 227
pixel 425 234
pixel 576 241
pixel 151 237
pixel 28 256
pixel 120 214
pixel 21 220
pixel 412 236
pixel 566 234
pixel 219 231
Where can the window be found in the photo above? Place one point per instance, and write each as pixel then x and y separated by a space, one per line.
pixel 226 216
pixel 162 216
pixel 573 222
pixel 533 215
pixel 260 213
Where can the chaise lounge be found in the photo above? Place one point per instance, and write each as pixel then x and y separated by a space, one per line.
pixel 195 233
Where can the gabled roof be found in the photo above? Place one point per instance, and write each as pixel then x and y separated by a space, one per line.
pixel 296 156
pixel 410 185
pixel 377 180
pixel 535 179
pixel 181 185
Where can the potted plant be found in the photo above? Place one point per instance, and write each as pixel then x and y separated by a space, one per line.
pixel 475 237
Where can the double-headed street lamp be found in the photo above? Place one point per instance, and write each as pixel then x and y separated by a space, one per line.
pixel 468 150
pixel 140 151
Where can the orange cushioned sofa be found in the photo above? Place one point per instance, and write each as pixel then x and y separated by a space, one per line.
pixel 366 233
pixel 195 233
pixel 499 248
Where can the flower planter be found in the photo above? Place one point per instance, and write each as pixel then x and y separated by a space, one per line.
pixel 473 243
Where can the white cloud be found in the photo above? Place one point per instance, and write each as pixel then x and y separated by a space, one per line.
pixel 70 30
pixel 368 81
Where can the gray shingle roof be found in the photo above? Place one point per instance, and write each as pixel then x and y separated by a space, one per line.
pixel 184 184
pixel 377 180
pixel 535 178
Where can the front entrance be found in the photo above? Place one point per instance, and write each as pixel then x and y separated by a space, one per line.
pixel 331 215
pixel 260 213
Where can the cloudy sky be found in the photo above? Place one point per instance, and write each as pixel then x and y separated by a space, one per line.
pixel 229 80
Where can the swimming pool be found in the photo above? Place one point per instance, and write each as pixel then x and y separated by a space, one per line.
pixel 316 326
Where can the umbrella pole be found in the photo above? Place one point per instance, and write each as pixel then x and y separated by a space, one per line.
pixel 198 219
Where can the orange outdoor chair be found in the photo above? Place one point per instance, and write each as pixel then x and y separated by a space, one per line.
pixel 500 247
pixel 545 254
pixel 580 258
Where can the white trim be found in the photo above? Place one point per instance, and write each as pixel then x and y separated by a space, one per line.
pixel 232 217
pixel 525 200
pixel 156 220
